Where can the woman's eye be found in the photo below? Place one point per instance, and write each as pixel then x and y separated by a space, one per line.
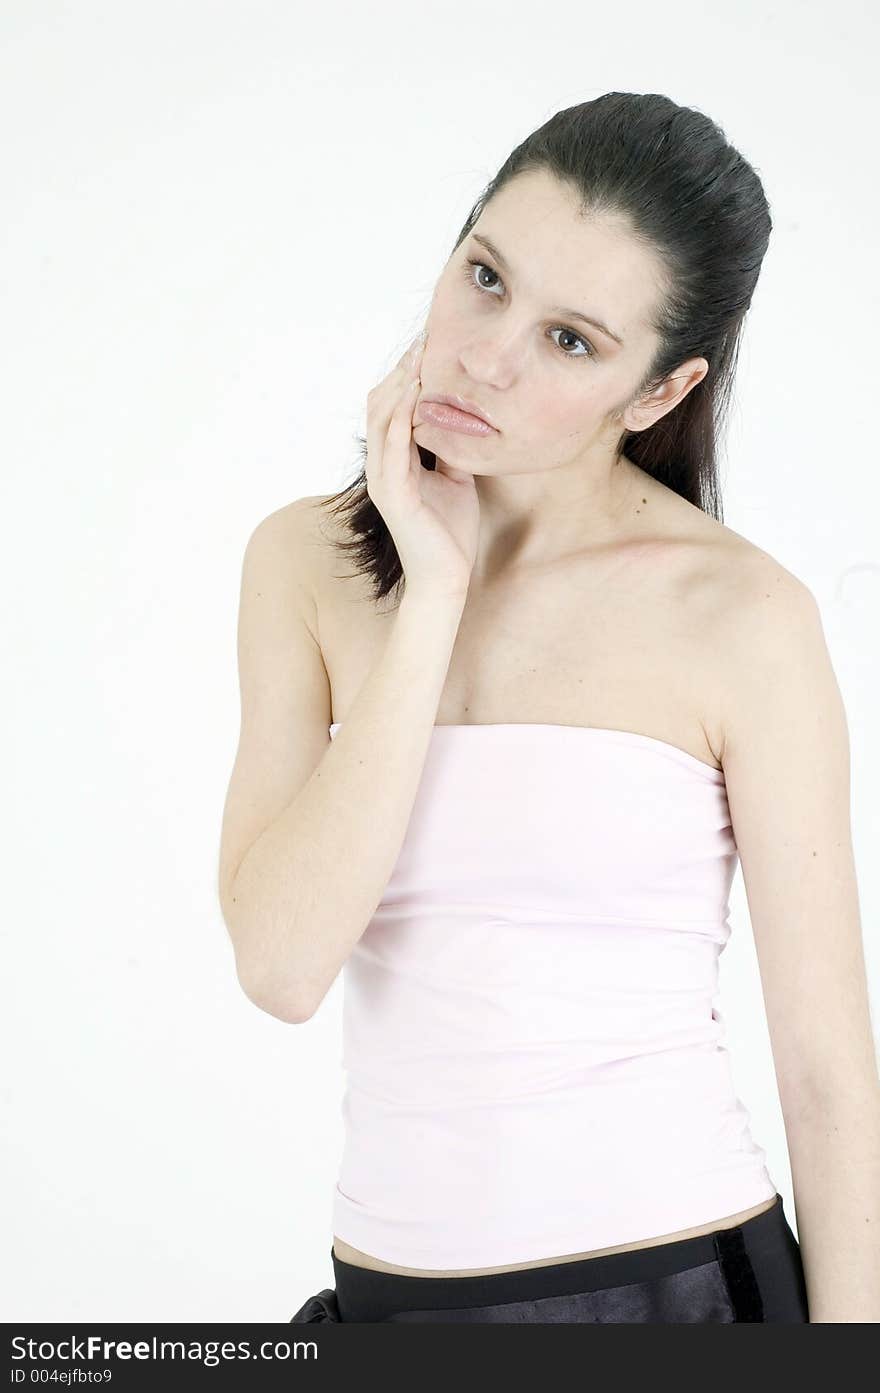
pixel 480 266
pixel 472 265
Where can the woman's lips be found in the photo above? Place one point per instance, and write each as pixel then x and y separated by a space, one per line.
pixel 437 413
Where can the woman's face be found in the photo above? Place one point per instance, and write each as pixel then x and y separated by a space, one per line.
pixel 548 381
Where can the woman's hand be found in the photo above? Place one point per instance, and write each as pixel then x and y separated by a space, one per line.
pixel 433 515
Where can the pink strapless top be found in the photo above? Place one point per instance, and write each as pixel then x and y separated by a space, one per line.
pixel 534 1060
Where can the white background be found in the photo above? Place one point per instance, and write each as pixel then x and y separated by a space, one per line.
pixel 222 224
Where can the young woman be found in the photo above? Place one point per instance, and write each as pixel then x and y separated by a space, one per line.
pixel 502 767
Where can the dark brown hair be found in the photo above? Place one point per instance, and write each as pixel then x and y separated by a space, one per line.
pixel 671 174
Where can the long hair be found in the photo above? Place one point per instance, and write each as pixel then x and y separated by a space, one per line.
pixel 691 198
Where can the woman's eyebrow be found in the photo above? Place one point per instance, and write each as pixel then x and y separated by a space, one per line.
pixel 557 309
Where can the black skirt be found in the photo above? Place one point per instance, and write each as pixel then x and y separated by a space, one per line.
pixel 749 1273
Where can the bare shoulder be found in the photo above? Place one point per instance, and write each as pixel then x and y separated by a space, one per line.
pixel 754 592
pixel 757 620
pixel 718 571
pixel 303 522
pixel 317 528
pixel 294 539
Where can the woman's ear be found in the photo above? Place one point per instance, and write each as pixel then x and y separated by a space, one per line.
pixel 672 390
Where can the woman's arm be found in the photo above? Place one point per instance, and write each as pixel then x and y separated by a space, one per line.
pixel 787 766
pixel 312 827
